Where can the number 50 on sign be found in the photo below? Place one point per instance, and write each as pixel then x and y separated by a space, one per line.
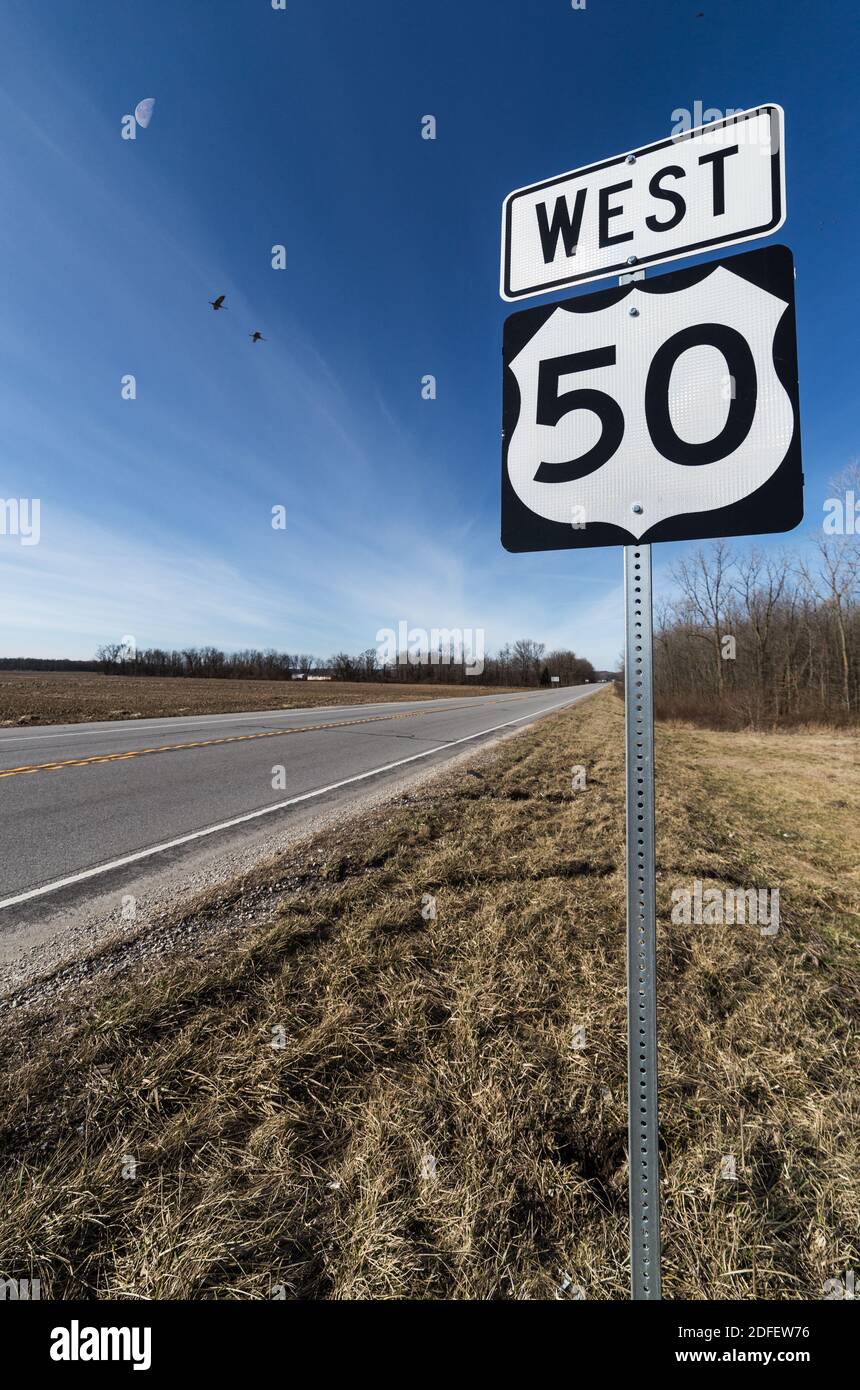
pixel 665 409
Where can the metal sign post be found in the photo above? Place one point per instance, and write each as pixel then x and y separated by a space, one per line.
pixel 643 1146
pixel 658 411
pixel 641 929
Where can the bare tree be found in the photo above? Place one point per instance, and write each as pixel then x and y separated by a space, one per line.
pixel 108 654
pixel 527 653
pixel 835 582
pixel 703 582
pixel 796 625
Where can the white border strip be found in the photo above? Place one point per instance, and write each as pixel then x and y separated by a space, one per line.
pixel 268 810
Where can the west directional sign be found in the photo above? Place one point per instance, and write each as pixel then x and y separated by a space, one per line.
pixel 661 410
pixel 697 190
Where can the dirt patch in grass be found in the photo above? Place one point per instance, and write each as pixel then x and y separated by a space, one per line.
pixel 81 697
pixel 426 1125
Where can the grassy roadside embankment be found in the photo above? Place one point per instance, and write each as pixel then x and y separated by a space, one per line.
pixel 429 1127
pixel 62 697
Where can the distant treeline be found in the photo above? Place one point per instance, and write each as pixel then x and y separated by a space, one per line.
pixel 524 662
pixel 45 663
pixel 757 640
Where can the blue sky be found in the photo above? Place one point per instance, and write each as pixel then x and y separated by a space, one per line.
pixel 303 128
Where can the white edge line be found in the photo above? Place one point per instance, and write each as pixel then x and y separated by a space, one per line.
pixel 269 810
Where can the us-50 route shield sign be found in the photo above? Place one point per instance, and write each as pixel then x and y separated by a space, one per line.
pixel 662 410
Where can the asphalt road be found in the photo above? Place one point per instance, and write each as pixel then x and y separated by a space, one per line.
pixel 80 801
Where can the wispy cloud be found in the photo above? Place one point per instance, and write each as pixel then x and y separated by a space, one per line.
pixel 156 513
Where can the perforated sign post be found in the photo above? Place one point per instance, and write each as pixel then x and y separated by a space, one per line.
pixel 658 410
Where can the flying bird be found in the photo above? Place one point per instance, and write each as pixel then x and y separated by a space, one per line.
pixel 256 337
pixel 217 303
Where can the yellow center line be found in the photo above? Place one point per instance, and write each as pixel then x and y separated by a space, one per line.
pixel 211 742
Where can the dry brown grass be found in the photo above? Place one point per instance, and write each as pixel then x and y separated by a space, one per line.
pixel 61 697
pixel 451 1039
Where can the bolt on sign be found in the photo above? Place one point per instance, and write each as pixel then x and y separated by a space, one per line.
pixel 662 410
pixel 656 411
pixel 695 191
